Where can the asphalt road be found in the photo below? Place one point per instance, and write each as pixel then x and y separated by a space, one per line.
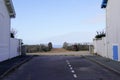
pixel 61 68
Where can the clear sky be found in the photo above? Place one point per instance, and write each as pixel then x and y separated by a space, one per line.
pixel 42 21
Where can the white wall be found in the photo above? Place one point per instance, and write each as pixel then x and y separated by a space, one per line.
pixel 100 46
pixel 4 32
pixel 113 26
pixel 15 47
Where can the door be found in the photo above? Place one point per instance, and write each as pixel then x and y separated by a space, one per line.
pixel 115 52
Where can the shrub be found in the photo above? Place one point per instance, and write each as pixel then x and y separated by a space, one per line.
pixel 50 45
pixel 100 35
pixel 38 48
pixel 75 47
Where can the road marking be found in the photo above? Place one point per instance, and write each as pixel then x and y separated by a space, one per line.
pixel 73 71
pixel 74 75
pixel 69 65
pixel 67 61
pixel 71 68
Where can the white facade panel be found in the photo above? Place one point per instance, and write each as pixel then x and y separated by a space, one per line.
pixel 100 46
pixel 113 26
pixel 9 47
pixel 4 32
pixel 95 46
pixel 4 53
pixel 15 46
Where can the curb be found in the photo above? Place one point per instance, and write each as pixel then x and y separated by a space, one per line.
pixel 103 65
pixel 14 67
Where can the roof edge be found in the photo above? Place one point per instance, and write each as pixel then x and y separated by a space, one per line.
pixel 10 7
pixel 104 4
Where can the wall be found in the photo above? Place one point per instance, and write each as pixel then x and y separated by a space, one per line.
pixel 9 48
pixel 4 32
pixel 100 46
pixel 15 47
pixel 113 26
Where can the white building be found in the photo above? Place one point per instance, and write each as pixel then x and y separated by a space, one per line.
pixel 112 28
pixel 112 42
pixel 8 46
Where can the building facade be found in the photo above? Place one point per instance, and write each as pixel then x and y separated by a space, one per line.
pixel 112 41
pixel 112 29
pixel 6 13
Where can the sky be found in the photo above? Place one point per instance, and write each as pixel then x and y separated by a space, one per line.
pixel 58 21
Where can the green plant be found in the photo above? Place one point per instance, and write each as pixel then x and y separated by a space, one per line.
pixel 100 35
pixel 50 45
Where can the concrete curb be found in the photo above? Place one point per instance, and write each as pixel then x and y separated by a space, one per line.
pixel 103 65
pixel 14 67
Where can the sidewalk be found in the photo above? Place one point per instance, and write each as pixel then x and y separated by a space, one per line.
pixel 11 64
pixel 105 62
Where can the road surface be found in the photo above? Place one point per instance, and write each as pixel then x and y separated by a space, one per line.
pixel 61 68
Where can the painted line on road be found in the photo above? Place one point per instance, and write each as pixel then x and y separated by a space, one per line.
pixel 71 69
pixel 69 65
pixel 68 62
pixel 74 75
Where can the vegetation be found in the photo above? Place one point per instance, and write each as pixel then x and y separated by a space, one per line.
pixel 50 45
pixel 38 48
pixel 100 35
pixel 13 33
pixel 76 46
